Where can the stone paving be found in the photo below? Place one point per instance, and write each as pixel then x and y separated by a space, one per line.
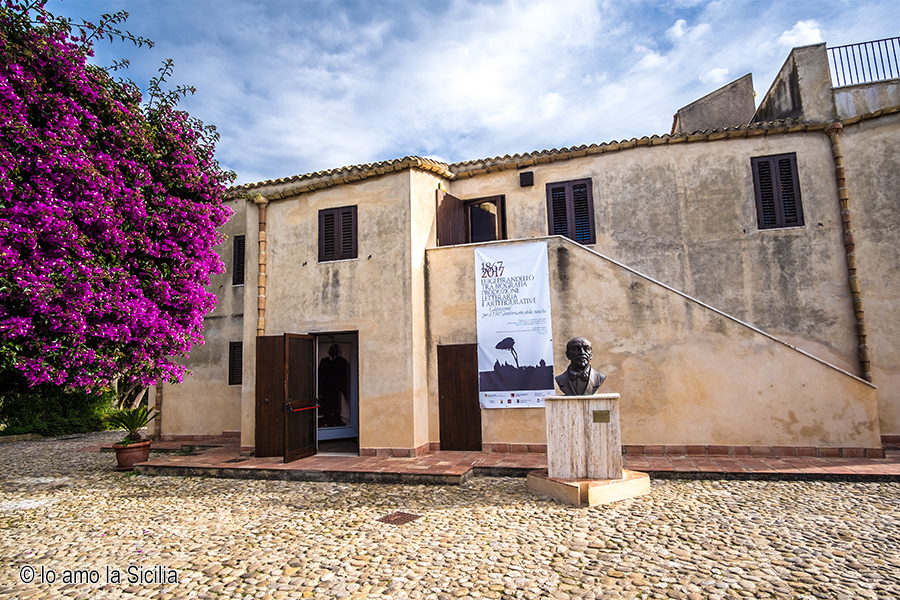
pixel 69 516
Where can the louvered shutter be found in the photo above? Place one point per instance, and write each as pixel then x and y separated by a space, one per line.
pixel 765 193
pixel 327 237
pixel 237 261
pixel 337 234
pixel 347 216
pixel 777 189
pixel 559 211
pixel 235 362
pixel 570 210
pixel 790 191
pixel 581 211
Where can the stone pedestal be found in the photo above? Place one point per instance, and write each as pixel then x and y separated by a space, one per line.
pixel 584 453
pixel 590 492
pixel 583 439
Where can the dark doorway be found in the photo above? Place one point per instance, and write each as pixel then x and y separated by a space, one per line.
pixel 458 408
pixel 338 387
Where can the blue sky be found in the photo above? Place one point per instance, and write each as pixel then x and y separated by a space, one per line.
pixel 298 86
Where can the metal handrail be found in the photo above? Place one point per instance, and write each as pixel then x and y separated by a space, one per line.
pixel 866 62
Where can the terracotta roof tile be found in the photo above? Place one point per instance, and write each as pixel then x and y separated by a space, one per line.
pixel 322 179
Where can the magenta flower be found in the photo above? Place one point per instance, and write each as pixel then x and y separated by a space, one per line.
pixel 109 210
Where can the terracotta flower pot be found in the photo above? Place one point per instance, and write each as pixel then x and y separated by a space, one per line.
pixel 129 455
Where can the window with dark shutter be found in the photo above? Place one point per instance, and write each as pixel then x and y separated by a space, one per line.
pixel 237 261
pixel 235 362
pixel 777 188
pixel 471 220
pixel 570 210
pixel 337 233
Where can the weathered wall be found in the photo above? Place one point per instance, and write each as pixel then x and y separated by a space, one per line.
pixel 685 214
pixel 866 98
pixel 380 295
pixel 251 313
pixel 872 164
pixel 451 319
pixel 423 232
pixel 801 90
pixel 204 403
pixel 687 373
pixel 731 105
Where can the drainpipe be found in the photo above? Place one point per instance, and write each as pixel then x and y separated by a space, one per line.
pixel 157 405
pixel 834 132
pixel 261 203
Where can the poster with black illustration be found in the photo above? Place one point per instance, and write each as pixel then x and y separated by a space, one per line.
pixel 515 345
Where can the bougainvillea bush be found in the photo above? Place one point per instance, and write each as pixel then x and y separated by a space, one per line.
pixel 108 213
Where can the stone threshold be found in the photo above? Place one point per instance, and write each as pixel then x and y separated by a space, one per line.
pixel 661 450
pixel 775 451
pixel 455 468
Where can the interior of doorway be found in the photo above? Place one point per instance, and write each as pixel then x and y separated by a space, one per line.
pixel 337 379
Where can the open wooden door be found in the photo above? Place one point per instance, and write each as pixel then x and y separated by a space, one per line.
pixel 452 227
pixel 270 395
pixel 299 396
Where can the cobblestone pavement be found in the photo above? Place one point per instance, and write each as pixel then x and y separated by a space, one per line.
pixel 70 515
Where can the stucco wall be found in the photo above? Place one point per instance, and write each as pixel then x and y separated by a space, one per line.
pixel 423 232
pixel 685 214
pixel 730 105
pixel 687 373
pixel 872 165
pixel 865 98
pixel 380 295
pixel 203 403
pixel 801 90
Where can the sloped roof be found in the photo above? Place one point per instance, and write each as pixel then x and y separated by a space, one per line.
pixel 298 184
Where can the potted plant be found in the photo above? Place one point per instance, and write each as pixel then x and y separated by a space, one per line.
pixel 134 447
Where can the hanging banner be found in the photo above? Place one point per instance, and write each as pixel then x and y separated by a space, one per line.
pixel 515 347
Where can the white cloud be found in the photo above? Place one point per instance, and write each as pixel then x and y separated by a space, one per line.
pixel 802 33
pixel 718 75
pixel 296 87
pixel 677 31
pixel 650 59
pixel 551 103
pixel 681 32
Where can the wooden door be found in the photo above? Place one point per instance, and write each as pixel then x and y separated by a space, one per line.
pixel 300 396
pixel 452 226
pixel 270 395
pixel 458 408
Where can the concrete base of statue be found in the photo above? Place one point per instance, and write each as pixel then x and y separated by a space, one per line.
pixel 584 453
pixel 583 439
pixel 589 492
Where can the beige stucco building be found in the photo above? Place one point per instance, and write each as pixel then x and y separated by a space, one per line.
pixel 738 281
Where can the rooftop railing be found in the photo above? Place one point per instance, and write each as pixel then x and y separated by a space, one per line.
pixel 864 63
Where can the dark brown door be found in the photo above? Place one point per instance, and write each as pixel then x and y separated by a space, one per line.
pixel 300 396
pixel 458 408
pixel 270 395
pixel 451 220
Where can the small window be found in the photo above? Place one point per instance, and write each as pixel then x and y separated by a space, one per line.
pixel 465 221
pixel 235 362
pixel 337 233
pixel 570 210
pixel 777 189
pixel 237 261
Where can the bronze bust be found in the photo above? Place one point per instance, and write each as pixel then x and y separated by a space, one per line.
pixel 580 379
